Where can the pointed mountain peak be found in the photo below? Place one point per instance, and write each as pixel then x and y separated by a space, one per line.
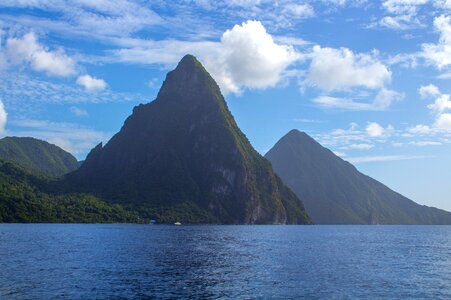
pixel 189 79
pixel 188 61
pixel 183 157
pixel 297 137
pixel 335 192
pixel 295 133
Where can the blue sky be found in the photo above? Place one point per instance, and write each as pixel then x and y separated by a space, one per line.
pixel 368 79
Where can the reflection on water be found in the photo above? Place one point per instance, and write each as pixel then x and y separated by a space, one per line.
pixel 139 261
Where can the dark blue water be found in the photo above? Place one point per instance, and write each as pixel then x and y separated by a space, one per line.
pixel 142 261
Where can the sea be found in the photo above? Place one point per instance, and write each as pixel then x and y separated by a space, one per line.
pixel 75 261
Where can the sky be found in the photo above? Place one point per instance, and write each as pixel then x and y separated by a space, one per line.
pixel 369 80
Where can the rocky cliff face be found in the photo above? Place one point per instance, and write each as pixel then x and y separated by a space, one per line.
pixel 182 156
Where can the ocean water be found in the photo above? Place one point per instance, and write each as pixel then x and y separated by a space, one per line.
pixel 45 261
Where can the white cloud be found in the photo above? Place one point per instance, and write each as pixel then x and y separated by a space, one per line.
pixel 361 146
pixel 344 2
pixel 373 129
pixel 91 84
pixel 247 56
pixel 381 158
pixel 20 92
pixel 296 10
pixel 427 91
pixel 444 4
pixel 439 54
pixel 341 69
pixel 339 153
pixel 441 104
pixel 330 102
pixel 73 138
pixel 425 143
pixel 404 14
pixel 78 111
pixel 3 118
pixel 420 129
pixel 401 22
pixel 28 50
pixel 91 18
pixel 443 122
pixel 403 6
pixel 444 76
pixel 383 100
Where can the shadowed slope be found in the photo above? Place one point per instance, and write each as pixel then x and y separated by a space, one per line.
pixel 335 192
pixel 184 152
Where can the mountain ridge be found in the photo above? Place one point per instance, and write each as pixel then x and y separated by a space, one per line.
pixel 37 155
pixel 335 192
pixel 185 148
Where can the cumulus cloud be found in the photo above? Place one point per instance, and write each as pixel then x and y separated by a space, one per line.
pixel 439 54
pixel 91 84
pixel 373 129
pixel 439 108
pixel 443 122
pixel 341 69
pixel 28 50
pixel 247 56
pixel 3 118
pixel 440 104
pixel 427 91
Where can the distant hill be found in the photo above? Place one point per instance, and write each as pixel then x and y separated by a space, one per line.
pixel 23 199
pixel 335 192
pixel 37 155
pixel 183 158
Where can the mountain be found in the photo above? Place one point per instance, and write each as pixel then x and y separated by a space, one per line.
pixel 23 199
pixel 37 155
pixel 335 192
pixel 183 158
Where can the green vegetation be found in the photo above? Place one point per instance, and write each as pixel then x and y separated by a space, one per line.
pixel 22 200
pixel 37 155
pixel 186 212
pixel 183 158
pixel 335 192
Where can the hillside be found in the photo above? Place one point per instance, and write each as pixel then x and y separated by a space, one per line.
pixel 23 199
pixel 335 192
pixel 37 155
pixel 183 158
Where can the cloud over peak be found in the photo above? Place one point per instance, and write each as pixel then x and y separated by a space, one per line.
pixel 247 56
